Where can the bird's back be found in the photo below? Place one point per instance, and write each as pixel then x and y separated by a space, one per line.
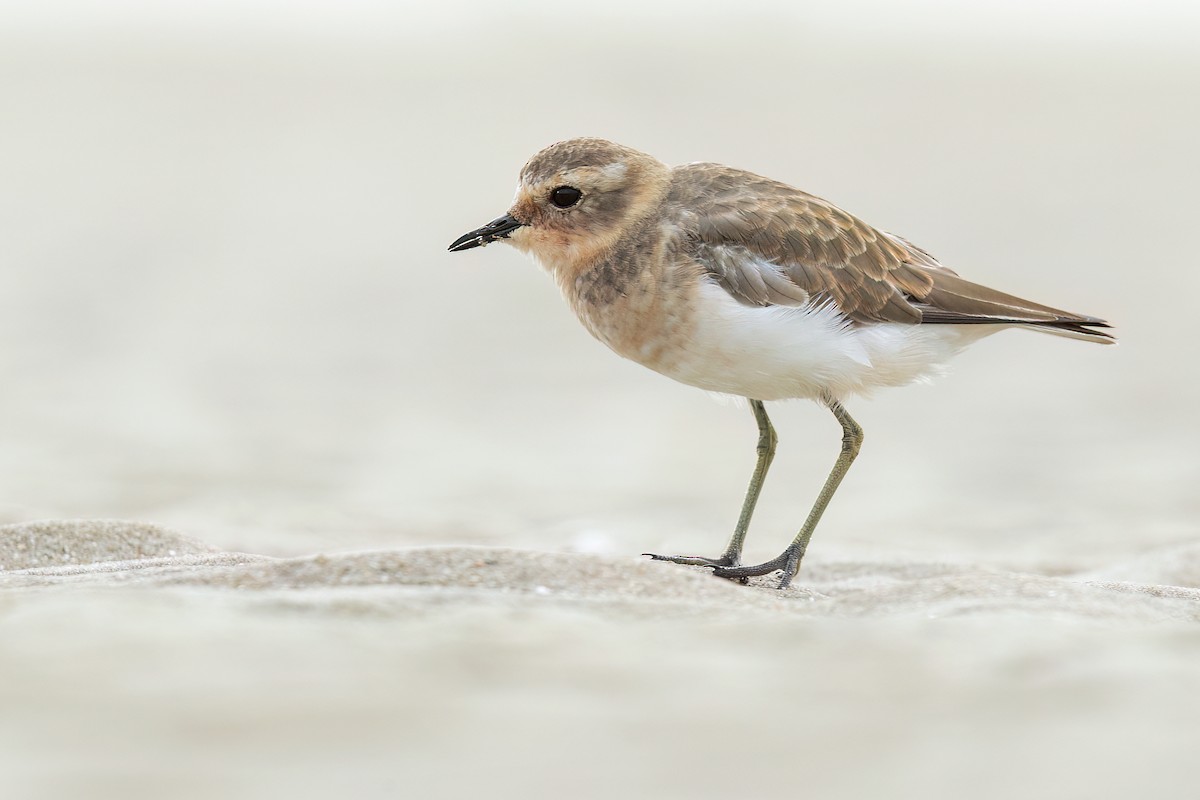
pixel 769 244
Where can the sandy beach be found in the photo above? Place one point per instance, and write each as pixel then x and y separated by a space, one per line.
pixel 295 504
pixel 172 668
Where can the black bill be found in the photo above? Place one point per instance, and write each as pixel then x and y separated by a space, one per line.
pixel 496 229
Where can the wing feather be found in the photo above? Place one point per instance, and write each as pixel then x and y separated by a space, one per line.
pixel 767 243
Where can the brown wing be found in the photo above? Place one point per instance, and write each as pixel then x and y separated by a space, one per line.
pixel 767 243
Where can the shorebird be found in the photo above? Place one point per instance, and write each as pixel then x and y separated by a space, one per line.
pixel 742 285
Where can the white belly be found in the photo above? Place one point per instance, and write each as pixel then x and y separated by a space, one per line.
pixel 776 352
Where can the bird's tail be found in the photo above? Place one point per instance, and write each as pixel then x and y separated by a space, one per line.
pixel 1083 331
pixel 953 300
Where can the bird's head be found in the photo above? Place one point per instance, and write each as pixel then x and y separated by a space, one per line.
pixel 575 199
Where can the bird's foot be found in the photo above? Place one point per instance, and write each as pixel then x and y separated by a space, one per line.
pixel 787 563
pixel 724 562
pixel 696 561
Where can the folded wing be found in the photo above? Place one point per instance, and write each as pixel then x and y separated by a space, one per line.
pixel 767 243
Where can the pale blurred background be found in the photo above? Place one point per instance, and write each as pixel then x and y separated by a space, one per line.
pixel 226 305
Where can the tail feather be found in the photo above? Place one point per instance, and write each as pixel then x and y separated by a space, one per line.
pixel 1074 330
pixel 955 301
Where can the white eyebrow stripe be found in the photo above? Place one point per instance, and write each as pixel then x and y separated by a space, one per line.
pixel 615 170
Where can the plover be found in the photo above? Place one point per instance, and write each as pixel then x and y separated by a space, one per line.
pixel 742 285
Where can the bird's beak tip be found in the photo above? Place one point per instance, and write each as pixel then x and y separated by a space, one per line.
pixel 500 228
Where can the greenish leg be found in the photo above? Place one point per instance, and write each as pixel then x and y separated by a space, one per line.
pixel 788 562
pixel 767 440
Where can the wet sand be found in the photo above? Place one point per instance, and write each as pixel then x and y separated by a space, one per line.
pixel 167 666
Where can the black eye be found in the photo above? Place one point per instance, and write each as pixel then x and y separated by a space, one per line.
pixel 565 196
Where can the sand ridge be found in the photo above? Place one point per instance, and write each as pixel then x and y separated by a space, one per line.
pixel 100 552
pixel 158 666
